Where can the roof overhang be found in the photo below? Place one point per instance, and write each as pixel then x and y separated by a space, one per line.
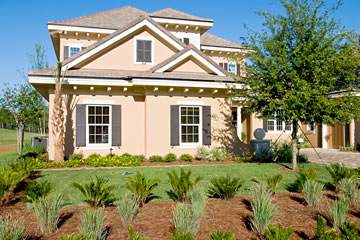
pixel 56 27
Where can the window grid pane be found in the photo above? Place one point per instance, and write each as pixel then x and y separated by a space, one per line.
pixel 190 121
pixel 98 124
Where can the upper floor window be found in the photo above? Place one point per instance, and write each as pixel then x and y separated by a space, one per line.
pixel 144 52
pixel 231 68
pixel 74 50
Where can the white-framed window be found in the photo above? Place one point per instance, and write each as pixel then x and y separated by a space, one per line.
pixel 310 127
pixel 98 125
pixel 74 49
pixel 143 50
pixel 276 125
pixel 232 68
pixel 190 125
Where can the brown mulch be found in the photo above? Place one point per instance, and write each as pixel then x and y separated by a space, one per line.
pixel 155 218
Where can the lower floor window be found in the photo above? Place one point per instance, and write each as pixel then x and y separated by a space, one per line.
pixel 310 127
pixel 190 124
pixel 98 124
pixel 275 125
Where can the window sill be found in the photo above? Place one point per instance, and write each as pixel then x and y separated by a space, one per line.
pixel 96 147
pixel 144 63
pixel 188 146
pixel 278 132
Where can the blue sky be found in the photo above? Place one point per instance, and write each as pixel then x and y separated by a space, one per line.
pixel 23 23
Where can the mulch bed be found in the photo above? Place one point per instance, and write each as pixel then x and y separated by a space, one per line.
pixel 155 218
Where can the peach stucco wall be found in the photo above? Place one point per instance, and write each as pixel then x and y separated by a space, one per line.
pixel 190 66
pixel 122 55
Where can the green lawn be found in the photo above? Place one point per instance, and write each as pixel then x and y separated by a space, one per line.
pixel 9 136
pixel 62 179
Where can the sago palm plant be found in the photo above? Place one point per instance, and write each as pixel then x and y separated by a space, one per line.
pixel 182 185
pixel 224 187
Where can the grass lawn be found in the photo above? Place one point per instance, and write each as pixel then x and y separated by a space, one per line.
pixel 62 179
pixel 8 139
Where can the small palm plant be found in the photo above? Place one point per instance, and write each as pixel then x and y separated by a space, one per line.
pixel 224 187
pixel 36 190
pixel 142 188
pixel 97 192
pixel 182 185
pixel 338 172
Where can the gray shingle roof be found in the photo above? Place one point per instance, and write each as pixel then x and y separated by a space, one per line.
pixel 172 13
pixel 208 39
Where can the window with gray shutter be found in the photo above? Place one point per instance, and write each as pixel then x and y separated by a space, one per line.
pixel 206 121
pixel 174 125
pixel 221 65
pixel 66 52
pixel 265 125
pixel 143 51
pixel 116 125
pixel 238 69
pixel 80 125
pixel 186 41
pixel 226 66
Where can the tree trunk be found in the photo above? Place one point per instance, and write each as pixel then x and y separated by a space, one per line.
pixel 20 137
pixel 294 143
pixel 58 125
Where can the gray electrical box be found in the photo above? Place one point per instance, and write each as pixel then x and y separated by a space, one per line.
pixel 42 140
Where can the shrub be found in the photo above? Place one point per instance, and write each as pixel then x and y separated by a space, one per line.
pixel 338 172
pixel 348 231
pixel 217 154
pixel 11 229
pixel 262 208
pixel 156 158
pixel 338 211
pixel 273 181
pixel 32 151
pixel 321 233
pixel 202 153
pixel 142 188
pixel 350 189
pixel 281 151
pixel 186 158
pixel 47 211
pixel 92 224
pixel 182 185
pixel 36 190
pixel 219 235
pixel 128 208
pixel 76 156
pixel 170 157
pixel 97 192
pixel 141 158
pixel 135 236
pixel 224 187
pixel 313 193
pixel 179 235
pixel 278 233
pixel 302 176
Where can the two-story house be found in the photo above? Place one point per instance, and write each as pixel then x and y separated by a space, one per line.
pixel 148 83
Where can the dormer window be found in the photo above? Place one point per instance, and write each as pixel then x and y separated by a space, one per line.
pixel 72 49
pixel 231 68
pixel 185 40
pixel 144 50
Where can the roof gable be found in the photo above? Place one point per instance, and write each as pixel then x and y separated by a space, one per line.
pixel 109 41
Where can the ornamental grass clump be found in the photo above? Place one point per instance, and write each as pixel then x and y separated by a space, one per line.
pixel 128 208
pixel 338 211
pixel 224 187
pixel 350 189
pixel 262 208
pixel 142 188
pixel 182 184
pixel 96 193
pixel 313 192
pixel 202 153
pixel 92 224
pixel 11 229
pixel 302 176
pixel 47 211
pixel 217 154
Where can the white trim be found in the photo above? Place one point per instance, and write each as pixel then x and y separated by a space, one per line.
pixel 308 128
pixel 238 124
pixel 99 102
pixel 96 147
pixel 74 45
pixel 191 52
pixel 120 36
pixel 81 81
pixel 109 144
pixel 79 29
pixel 232 63
pixel 183 22
pixel 195 144
pixel 190 103
pixel 146 38
pixel 324 135
pixel 223 49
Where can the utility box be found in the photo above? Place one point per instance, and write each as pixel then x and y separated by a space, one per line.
pixel 42 140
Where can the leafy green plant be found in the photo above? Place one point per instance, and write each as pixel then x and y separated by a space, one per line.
pixel 32 151
pixel 11 229
pixel 180 235
pixel 224 187
pixel 170 157
pixel 156 158
pixel 348 231
pixel 79 236
pixel 97 192
pixel 76 156
pixel 302 176
pixel 36 190
pixel 202 153
pixel 47 211
pixel 321 233
pixel 186 158
pixel 140 157
pixel 350 189
pixel 128 208
pixel 338 172
pixel 278 232
pixel 262 208
pixel 217 154
pixel 92 224
pixel 313 193
pixel 219 235
pixel 182 185
pixel 142 188
pixel 338 211
pixel 134 236
pixel 273 181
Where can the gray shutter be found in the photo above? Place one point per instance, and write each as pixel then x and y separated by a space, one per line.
pixel 238 69
pixel 66 52
pixel 226 66
pixel 83 48
pixel 81 125
pixel 265 125
pixel 147 51
pixel 139 51
pixel 186 41
pixel 116 125
pixel 206 121
pixel 174 125
pixel 221 65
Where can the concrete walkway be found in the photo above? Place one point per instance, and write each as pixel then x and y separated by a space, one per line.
pixel 330 156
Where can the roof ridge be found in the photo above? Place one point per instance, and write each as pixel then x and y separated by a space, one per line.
pixel 98 13
pixel 224 38
pixel 181 12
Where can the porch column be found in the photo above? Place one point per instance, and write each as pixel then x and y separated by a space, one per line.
pixel 238 124
pixel 352 133
pixel 324 133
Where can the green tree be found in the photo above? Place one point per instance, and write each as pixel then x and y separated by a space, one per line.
pixel 297 60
